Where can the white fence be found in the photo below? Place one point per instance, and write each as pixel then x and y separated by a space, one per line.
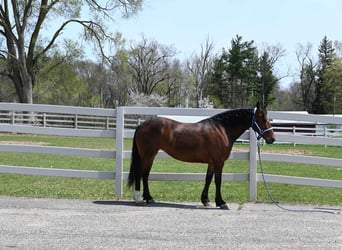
pixel 34 124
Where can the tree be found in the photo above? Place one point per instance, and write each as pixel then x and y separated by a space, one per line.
pixel 241 71
pixel 265 81
pixel 121 77
pixel 307 76
pixel 326 52
pixel 332 87
pixel 60 85
pixel 235 73
pixel 22 25
pixel 97 78
pixel 285 98
pixel 199 67
pixel 149 64
pixel 7 91
pixel 171 87
pixel 218 87
pixel 143 100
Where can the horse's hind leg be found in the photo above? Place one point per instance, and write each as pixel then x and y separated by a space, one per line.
pixel 208 178
pixel 140 200
pixel 146 194
pixel 146 172
pixel 137 195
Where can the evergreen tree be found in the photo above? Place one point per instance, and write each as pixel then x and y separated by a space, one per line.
pixel 332 87
pixel 266 81
pixel 241 71
pixel 326 52
pixel 218 87
pixel 234 74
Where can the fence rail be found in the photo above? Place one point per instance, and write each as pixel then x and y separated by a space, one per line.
pixel 82 121
pixel 110 123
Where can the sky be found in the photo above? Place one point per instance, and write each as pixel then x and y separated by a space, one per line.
pixel 186 24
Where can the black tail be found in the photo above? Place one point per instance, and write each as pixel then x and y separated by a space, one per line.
pixel 135 162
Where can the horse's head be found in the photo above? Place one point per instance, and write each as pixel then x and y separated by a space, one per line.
pixel 262 125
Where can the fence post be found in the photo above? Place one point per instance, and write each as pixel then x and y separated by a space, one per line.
pixel 325 135
pixel 119 151
pixel 252 165
pixel 107 122
pixel 13 117
pixel 76 121
pixel 294 134
pixel 44 120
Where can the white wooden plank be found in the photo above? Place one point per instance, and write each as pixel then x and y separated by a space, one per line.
pixel 172 111
pixel 57 131
pixel 239 156
pixel 119 152
pixel 334 162
pixel 301 181
pixel 98 153
pixel 41 108
pixel 305 117
pixel 192 177
pixel 162 155
pixel 308 139
pixel 252 167
pixel 57 172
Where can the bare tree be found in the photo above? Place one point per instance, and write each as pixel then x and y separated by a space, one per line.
pixel 149 64
pixel 307 75
pixel 199 67
pixel 23 44
pixel 275 52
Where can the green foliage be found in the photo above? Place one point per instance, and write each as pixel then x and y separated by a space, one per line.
pixel 26 44
pixel 59 83
pixel 240 77
pixel 332 100
pixel 319 89
pixel 265 82
pixel 326 52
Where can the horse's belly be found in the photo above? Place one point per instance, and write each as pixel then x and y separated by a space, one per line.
pixel 195 153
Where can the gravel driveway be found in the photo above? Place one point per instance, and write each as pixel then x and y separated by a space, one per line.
pixel 80 224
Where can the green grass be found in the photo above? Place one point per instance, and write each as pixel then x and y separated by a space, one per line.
pixel 74 188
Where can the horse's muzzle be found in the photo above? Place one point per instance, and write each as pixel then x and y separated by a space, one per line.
pixel 270 140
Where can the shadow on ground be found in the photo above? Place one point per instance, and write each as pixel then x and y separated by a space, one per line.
pixel 156 204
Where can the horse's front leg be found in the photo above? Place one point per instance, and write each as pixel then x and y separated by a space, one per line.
pixel 218 179
pixel 208 178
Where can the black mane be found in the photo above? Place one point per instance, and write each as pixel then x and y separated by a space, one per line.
pixel 233 118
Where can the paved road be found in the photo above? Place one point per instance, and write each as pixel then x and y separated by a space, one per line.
pixel 69 224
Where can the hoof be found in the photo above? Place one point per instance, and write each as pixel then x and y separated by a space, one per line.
pixel 140 203
pixel 207 204
pixel 224 206
pixel 150 201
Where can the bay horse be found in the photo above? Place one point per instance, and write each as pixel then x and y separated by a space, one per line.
pixel 208 141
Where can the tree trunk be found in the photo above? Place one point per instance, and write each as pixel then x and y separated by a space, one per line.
pixel 23 85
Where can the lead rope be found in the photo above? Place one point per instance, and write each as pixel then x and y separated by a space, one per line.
pixel 276 202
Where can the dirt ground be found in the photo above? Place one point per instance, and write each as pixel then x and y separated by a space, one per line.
pixel 81 224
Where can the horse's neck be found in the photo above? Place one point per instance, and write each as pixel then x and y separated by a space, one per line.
pixel 236 131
